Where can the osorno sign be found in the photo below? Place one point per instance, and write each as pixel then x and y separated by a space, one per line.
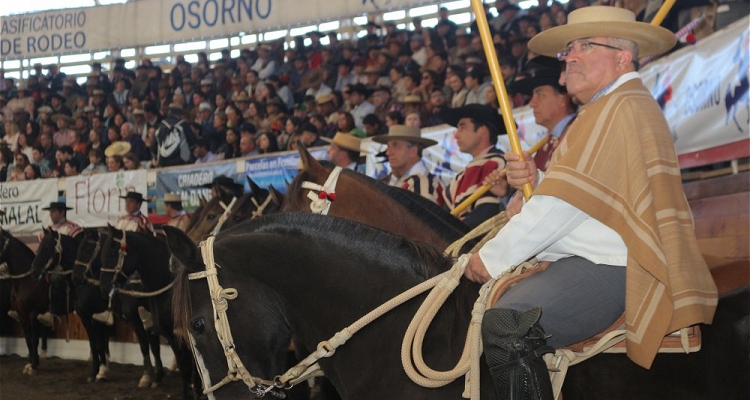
pixel 148 22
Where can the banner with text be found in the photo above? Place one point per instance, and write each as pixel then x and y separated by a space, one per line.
pixel 277 169
pixel 96 199
pixel 149 22
pixel 187 182
pixel 22 203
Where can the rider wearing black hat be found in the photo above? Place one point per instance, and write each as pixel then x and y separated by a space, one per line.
pixel 60 224
pixel 134 220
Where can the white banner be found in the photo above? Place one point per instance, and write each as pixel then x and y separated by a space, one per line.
pixel 22 203
pixel 149 22
pixel 95 200
pixel 703 90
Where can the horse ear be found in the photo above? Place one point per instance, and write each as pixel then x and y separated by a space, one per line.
pixel 254 188
pixel 183 248
pixel 309 162
pixel 276 196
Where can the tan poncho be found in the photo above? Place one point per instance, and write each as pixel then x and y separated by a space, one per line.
pixel 618 165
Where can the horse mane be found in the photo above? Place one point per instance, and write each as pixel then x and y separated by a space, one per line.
pixel 425 260
pixel 27 252
pixel 437 218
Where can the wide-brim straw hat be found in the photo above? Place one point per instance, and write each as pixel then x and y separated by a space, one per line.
pixel 345 141
pixel 603 21
pixel 405 133
pixel 118 148
pixel 411 98
pixel 172 198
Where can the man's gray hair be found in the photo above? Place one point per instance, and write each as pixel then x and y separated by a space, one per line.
pixel 630 46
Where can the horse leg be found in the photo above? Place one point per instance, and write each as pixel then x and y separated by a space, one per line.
pixel 36 328
pixel 88 326
pixel 190 388
pixel 158 371
pixel 143 342
pixel 44 334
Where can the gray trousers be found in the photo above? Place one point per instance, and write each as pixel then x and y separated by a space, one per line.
pixel 579 299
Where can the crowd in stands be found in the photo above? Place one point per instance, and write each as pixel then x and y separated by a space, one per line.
pixel 263 101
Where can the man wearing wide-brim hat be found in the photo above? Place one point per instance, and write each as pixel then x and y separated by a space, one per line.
pixel 60 224
pixel 173 207
pixel 478 127
pixel 609 214
pixel 408 171
pixel 134 220
pixel 345 151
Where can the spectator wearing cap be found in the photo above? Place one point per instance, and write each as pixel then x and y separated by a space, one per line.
pixel 404 152
pixel 177 215
pixel 311 136
pixel 57 103
pixel 134 220
pixel 478 127
pixel 344 151
pixel 265 66
pixel 359 103
pixel 476 86
pixel 202 152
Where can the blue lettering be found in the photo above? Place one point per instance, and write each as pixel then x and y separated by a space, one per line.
pixel 227 9
pixel 216 12
pixel 182 17
pixel 268 9
pixel 194 13
pixel 248 6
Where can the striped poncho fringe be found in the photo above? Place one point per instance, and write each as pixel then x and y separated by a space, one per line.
pixel 618 165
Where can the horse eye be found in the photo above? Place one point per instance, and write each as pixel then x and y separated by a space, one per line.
pixel 211 216
pixel 236 218
pixel 198 326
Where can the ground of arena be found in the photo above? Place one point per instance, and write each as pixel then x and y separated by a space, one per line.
pixel 62 379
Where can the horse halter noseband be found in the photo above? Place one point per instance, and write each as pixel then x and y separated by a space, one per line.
pixel 259 208
pixel 236 370
pixel 224 215
pixel 326 193
pixel 87 265
pixel 121 253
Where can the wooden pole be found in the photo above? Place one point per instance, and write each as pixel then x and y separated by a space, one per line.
pixel 497 79
pixel 482 190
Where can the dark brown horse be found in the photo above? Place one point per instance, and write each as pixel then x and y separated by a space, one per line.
pixel 125 253
pixel 29 296
pixel 340 270
pixel 61 250
pixel 371 202
pixel 313 275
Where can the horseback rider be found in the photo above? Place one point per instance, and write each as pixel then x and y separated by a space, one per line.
pixel 478 127
pixel 609 214
pixel 60 224
pixel 173 206
pixel 134 220
pixel 408 171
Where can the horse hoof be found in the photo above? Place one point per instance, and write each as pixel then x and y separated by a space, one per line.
pixel 102 375
pixel 43 353
pixel 145 381
pixel 26 369
pixel 13 314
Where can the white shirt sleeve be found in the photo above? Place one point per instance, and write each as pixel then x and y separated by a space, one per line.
pixel 543 221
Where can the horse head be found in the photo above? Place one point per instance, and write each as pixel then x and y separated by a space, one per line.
pixel 86 265
pixel 114 270
pixel 206 221
pixel 253 204
pixel 254 317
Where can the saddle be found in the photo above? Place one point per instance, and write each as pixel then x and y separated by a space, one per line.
pixel 611 340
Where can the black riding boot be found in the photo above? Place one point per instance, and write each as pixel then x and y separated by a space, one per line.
pixel 514 344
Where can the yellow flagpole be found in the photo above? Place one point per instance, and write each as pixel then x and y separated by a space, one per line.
pixel 662 13
pixel 497 78
pixel 482 190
